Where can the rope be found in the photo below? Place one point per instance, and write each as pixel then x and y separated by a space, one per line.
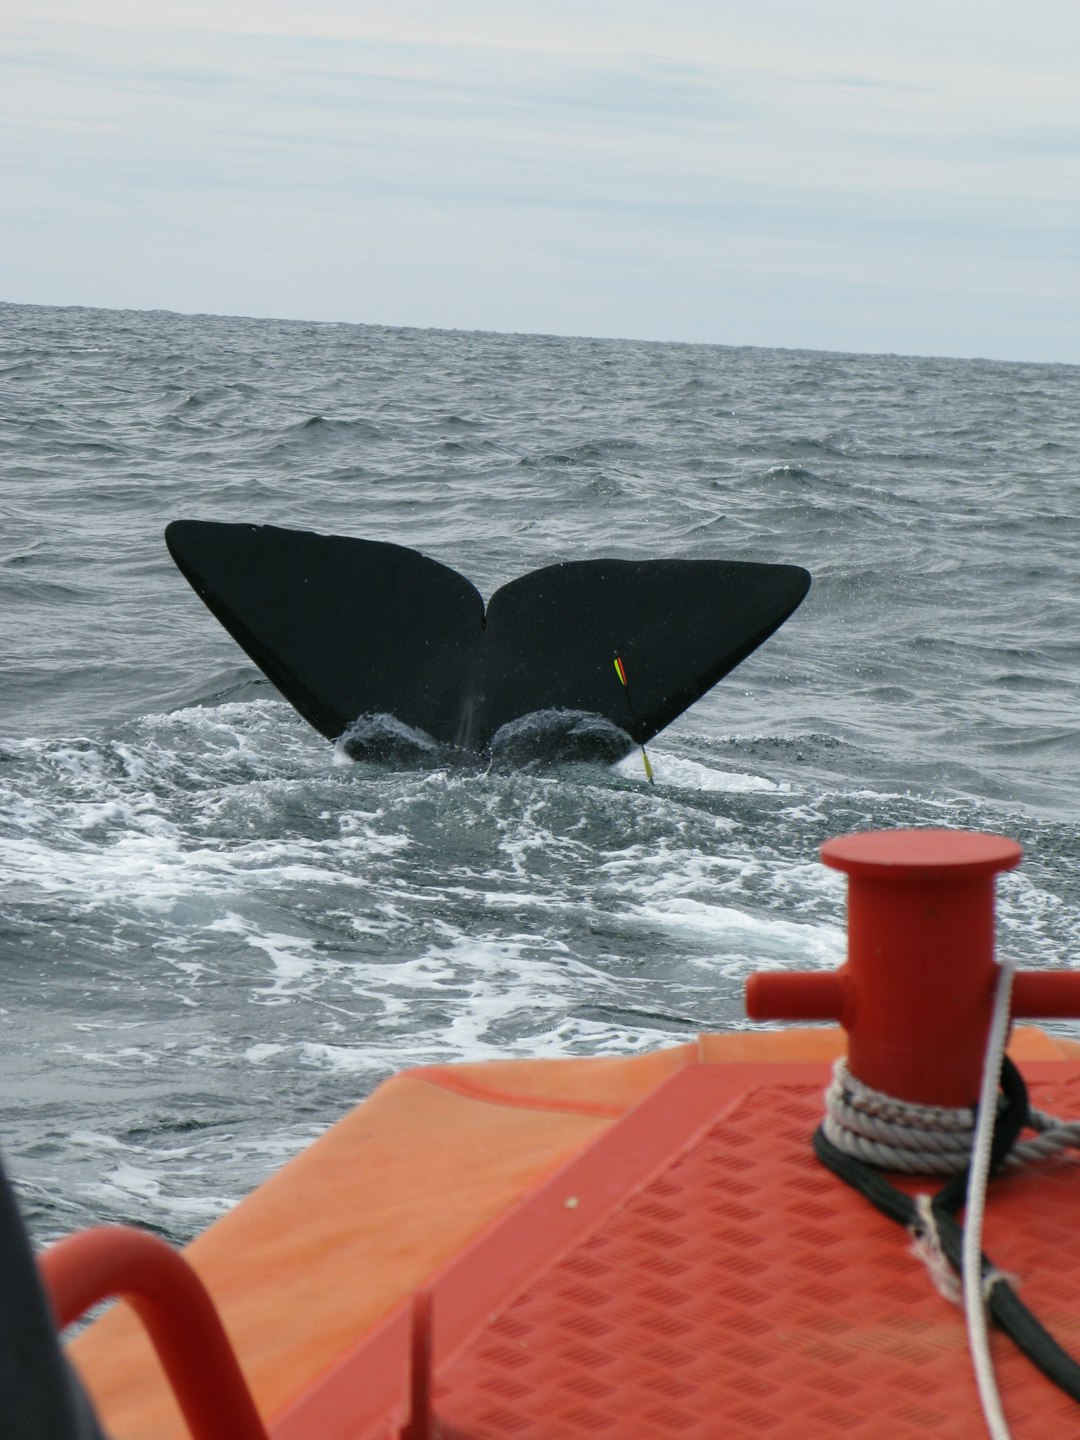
pixel 978 1179
pixel 865 1132
pixel 924 1139
pixel 893 1135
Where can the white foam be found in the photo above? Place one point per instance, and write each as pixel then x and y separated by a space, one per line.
pixel 292 958
pixel 94 1140
pixel 729 931
pixel 140 1183
pixel 678 772
pixel 259 1054
pixel 342 1059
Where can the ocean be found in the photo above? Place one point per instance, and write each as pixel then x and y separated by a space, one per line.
pixel 215 936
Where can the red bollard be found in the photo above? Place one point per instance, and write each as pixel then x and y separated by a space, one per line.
pixel 917 991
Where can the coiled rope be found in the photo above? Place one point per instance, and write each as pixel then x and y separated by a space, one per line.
pixel 865 1132
pixel 924 1139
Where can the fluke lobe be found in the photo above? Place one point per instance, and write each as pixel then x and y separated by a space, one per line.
pixel 363 636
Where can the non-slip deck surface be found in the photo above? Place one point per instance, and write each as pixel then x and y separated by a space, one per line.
pixel 640 1246
pixel 745 1292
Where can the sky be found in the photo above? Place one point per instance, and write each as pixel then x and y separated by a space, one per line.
pixel 858 175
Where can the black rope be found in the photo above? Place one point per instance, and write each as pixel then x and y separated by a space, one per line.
pixel 1006 1307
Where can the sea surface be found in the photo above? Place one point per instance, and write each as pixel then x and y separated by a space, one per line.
pixel 215 936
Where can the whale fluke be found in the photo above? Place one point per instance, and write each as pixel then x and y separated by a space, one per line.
pixel 350 628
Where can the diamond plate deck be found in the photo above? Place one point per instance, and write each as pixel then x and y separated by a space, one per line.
pixel 744 1292
pixel 696 1273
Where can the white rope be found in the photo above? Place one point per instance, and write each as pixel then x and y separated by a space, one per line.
pixel 974 1294
pixel 1053 1137
pixel 895 1135
pixel 928 1247
pixel 924 1139
pixel 942 1140
pixel 939 1140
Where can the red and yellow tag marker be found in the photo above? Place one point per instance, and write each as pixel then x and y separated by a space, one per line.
pixel 620 671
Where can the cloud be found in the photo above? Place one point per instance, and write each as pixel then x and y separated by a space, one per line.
pixel 651 172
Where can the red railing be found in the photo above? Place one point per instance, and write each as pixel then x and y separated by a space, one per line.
pixel 185 1329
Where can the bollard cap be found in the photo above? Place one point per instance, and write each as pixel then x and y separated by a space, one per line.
pixel 921 854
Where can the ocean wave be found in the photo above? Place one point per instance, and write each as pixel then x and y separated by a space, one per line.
pixel 216 938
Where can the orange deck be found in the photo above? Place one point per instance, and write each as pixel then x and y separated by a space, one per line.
pixel 639 1247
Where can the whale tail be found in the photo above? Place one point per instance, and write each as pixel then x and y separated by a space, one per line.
pixel 347 628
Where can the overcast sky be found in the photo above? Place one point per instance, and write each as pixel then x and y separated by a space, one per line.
pixel 871 175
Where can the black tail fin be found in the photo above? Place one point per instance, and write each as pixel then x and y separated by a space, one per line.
pixel 347 627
